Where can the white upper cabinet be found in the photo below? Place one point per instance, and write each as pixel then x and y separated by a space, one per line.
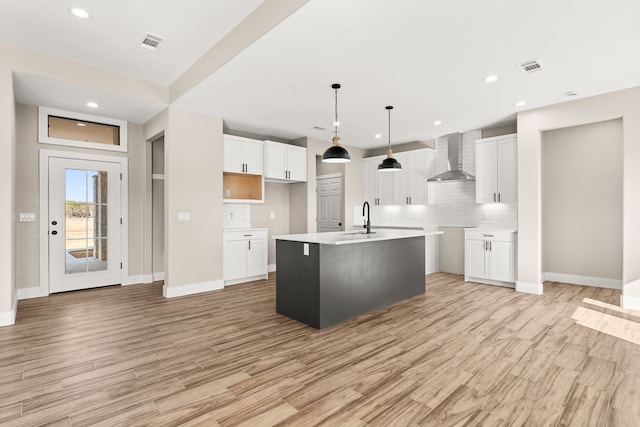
pixel 243 155
pixel 407 186
pixel 496 169
pixel 284 162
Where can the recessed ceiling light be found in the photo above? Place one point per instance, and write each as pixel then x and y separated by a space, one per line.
pixel 490 79
pixel 377 136
pixel 92 104
pixel 521 104
pixel 437 122
pixel 79 13
pixel 81 124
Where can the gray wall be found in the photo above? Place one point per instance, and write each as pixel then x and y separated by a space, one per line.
pixel 582 200
pixel 157 208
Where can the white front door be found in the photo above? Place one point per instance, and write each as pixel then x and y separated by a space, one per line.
pixel 84 224
pixel 329 192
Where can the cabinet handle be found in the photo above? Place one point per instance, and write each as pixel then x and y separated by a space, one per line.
pixel 247 235
pixel 490 249
pixel 494 197
pixel 499 196
pixel 488 235
pixel 249 244
pixel 484 244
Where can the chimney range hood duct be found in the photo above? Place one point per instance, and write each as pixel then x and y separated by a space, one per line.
pixel 454 172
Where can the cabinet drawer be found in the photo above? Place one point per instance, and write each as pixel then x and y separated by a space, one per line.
pixel 503 236
pixel 230 236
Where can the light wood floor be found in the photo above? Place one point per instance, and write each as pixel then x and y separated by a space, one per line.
pixel 462 354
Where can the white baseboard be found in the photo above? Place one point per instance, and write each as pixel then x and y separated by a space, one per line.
pixel 271 268
pixel 630 302
pixel 137 279
pixel 33 292
pixel 158 276
pixel 194 288
pixel 9 317
pixel 600 282
pixel 529 288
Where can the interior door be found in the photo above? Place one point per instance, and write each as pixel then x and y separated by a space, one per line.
pixel 84 224
pixel 329 201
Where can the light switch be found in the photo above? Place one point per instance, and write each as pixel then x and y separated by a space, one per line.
pixel 305 249
pixel 27 217
pixel 273 215
pixel 184 216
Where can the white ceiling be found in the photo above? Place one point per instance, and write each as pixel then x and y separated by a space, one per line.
pixel 426 58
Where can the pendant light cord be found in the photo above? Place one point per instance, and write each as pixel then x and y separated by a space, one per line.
pixel 389 110
pixel 335 125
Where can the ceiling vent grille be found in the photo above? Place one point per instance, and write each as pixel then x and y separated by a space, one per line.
pixel 151 42
pixel 531 66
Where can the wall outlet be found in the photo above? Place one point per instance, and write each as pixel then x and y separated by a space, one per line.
pixel 184 216
pixel 27 217
pixel 305 249
pixel 227 192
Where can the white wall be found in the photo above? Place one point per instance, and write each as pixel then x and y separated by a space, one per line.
pixel 582 203
pixel 193 184
pixel 623 104
pixel 7 195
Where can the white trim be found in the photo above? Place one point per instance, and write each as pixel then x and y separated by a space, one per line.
pixel 9 317
pixel 137 279
pixel 575 279
pixel 159 176
pixel 232 282
pixel 44 138
pixel 271 268
pixel 630 302
pixel 194 288
pixel 158 276
pixel 529 288
pixel 44 209
pixel 32 292
pixel 330 175
pixel 489 282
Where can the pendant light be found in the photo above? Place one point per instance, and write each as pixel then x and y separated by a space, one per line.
pixel 389 164
pixel 336 153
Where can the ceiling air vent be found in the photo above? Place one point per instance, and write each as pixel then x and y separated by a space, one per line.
pixel 531 66
pixel 151 42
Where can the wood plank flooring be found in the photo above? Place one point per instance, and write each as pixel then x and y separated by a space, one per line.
pixel 462 354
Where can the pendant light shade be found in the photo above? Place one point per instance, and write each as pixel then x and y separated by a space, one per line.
pixel 389 164
pixel 336 153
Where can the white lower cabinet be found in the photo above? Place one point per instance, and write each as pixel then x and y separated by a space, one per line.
pixel 245 256
pixel 490 257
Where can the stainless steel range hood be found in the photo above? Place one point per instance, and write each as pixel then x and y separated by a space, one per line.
pixel 454 172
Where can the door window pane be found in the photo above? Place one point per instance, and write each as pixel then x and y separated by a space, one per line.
pixel 85 221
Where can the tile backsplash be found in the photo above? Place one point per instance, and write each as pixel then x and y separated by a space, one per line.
pixel 236 215
pixel 455 202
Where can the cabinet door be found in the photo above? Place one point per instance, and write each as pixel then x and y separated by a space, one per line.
pixel 254 157
pixel 430 170
pixel 235 259
pixel 475 259
pixel 401 180
pixel 370 181
pixel 507 176
pixel 233 157
pixel 486 172
pixel 275 161
pixel 257 257
pixel 297 164
pixel 502 261
pixel 417 178
pixel 385 184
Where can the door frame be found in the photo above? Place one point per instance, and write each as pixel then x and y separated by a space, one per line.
pixel 45 155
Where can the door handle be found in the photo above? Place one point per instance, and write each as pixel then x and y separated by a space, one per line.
pixel 54 222
pixel 340 224
pixel 54 232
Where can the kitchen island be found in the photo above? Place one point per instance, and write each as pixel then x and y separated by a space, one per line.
pixel 326 278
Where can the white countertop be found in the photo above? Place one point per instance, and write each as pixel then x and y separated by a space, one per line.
pixel 246 229
pixel 492 229
pixel 347 237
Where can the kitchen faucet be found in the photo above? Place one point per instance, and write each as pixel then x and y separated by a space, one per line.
pixel 367 224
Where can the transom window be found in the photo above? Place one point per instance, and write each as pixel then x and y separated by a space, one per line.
pixel 81 130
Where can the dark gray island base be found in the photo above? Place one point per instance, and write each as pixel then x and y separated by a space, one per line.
pixel 336 281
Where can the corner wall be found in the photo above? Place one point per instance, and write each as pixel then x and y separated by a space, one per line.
pixel 623 104
pixel 7 196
